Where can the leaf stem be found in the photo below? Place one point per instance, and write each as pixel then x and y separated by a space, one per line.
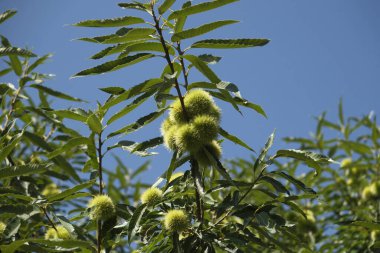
pixel 100 174
pixel 48 218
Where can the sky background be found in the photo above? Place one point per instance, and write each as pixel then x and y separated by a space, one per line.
pixel 320 51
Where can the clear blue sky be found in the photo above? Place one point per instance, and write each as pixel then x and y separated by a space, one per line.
pixel 319 52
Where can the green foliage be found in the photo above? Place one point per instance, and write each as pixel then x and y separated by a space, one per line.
pixel 58 194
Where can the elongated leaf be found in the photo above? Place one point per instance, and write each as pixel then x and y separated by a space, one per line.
pixel 66 244
pixel 6 15
pixel 131 146
pixel 146 46
pixel 55 93
pixel 138 124
pixel 143 146
pixel 133 34
pixel 276 184
pixel 294 181
pixel 110 50
pixel 134 91
pixel 234 139
pixel 356 146
pixel 38 62
pixel 71 191
pixel 203 68
pixel 72 143
pixel 113 90
pixel 313 160
pixel 58 160
pixel 127 109
pixel 365 224
pixel 114 22
pixel 115 65
pixel 180 22
pixel 136 6
pixel 135 221
pixel 94 123
pixel 199 8
pixel 209 58
pixel 259 161
pixel 22 170
pixel 15 51
pixel 5 151
pixel 201 30
pixel 165 6
pixel 70 114
pixel 229 43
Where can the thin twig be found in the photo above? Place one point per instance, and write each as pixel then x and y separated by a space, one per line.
pixel 48 218
pixel 100 174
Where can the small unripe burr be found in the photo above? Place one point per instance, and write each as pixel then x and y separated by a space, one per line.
pixel 60 233
pixel 50 189
pixel 176 221
pixel 200 102
pixel 187 138
pixel 2 228
pixel 151 196
pixel 204 157
pixel 169 138
pixel 207 128
pixel 102 207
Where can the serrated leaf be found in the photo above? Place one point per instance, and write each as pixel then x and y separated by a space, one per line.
pixel 165 6
pixel 139 123
pixel 114 65
pixel 59 160
pixel 94 123
pixel 114 22
pixel 130 107
pixel 234 139
pixel 113 90
pixel 229 43
pixel 133 34
pixel 209 58
pixel 203 68
pixel 74 142
pixel 15 51
pixel 312 159
pixel 22 170
pixel 259 161
pixel 135 221
pixel 136 6
pixel 65 244
pixel 38 62
pixel 134 91
pixel 180 22
pixel 69 114
pixel 295 181
pixel 71 191
pixel 55 93
pixel 190 33
pixel 6 15
pixel 130 146
pixel 5 151
pixel 199 8
pixel 152 143
pixel 146 46
pixel 276 184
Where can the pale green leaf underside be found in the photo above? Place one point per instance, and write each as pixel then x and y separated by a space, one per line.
pixel 199 8
pixel 201 30
pixel 114 22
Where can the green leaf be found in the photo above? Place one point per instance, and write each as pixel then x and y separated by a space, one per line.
pixel 152 143
pixel 260 160
pixel 5 151
pixel 15 51
pixel 113 90
pixel 135 221
pixel 114 22
pixel 165 6
pixel 229 43
pixel 70 114
pixel 311 159
pixel 94 123
pixel 131 146
pixel 59 160
pixel 294 181
pixel 74 142
pixel 201 30
pixel 65 244
pixel 136 6
pixel 133 34
pixel 209 58
pixel 127 109
pixel 203 68
pixel 138 124
pixel 6 15
pixel 154 83
pixel 110 50
pixel 115 64
pixel 55 93
pixel 146 46
pixel 356 146
pixel 276 184
pixel 199 8
pixel 234 139
pixel 38 62
pixel 22 170
pixel 365 224
pixel 71 191
pixel 180 22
